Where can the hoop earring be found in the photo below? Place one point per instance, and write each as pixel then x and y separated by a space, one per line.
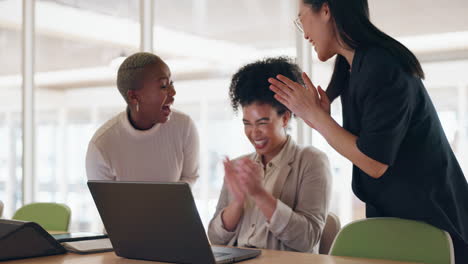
pixel 138 107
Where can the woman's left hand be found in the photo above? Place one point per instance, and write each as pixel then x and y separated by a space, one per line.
pixel 250 176
pixel 306 102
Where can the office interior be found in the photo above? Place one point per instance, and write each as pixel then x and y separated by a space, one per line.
pixel 59 60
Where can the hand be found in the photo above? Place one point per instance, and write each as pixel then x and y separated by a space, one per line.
pixel 250 176
pixel 306 102
pixel 232 183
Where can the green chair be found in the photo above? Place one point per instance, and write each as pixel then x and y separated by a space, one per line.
pixel 51 216
pixel 394 239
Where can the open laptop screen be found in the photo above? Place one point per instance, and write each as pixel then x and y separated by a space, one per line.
pixel 154 221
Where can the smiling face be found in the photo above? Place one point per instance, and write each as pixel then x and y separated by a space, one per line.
pixel 319 29
pixel 156 94
pixel 265 129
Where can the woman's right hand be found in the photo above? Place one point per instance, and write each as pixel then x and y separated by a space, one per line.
pixel 232 213
pixel 230 176
pixel 308 102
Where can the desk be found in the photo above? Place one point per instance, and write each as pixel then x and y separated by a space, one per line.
pixel 57 232
pixel 267 257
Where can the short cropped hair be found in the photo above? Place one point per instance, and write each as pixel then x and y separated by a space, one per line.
pixel 130 73
pixel 250 84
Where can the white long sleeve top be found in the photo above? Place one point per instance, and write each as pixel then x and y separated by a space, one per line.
pixel 167 152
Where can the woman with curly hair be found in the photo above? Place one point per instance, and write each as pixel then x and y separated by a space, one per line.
pixel 278 196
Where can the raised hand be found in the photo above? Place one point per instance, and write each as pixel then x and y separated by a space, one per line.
pixel 250 176
pixel 306 102
pixel 230 176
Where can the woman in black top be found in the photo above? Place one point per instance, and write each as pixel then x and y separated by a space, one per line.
pixel 403 164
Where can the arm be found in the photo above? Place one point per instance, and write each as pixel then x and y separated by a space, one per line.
pixel 232 214
pixel 217 233
pixel 97 167
pixel 266 203
pixel 300 228
pixel 190 169
pixel 345 143
pixel 384 122
pixel 249 179
pixel 387 107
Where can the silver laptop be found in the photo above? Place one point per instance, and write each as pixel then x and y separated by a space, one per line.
pixel 158 221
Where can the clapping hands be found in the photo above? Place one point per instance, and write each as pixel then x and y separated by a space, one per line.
pixel 243 177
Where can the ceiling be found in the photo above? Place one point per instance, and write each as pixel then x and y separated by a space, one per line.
pixel 246 26
pixel 226 19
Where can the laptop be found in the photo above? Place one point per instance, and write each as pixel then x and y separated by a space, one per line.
pixel 159 222
pixel 77 236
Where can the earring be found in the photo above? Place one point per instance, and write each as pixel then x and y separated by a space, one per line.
pixel 138 107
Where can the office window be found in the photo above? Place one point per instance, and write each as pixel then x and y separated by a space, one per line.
pixel 10 106
pixel 448 87
pixel 79 45
pixel 204 47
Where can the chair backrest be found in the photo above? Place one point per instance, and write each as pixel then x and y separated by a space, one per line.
pixel 1 209
pixel 51 216
pixel 331 229
pixel 394 239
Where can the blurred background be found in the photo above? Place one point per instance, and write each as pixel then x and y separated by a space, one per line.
pixel 68 55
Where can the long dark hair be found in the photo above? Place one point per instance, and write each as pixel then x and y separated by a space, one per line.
pixel 351 18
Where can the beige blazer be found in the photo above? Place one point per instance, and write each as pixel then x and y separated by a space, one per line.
pixel 304 185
